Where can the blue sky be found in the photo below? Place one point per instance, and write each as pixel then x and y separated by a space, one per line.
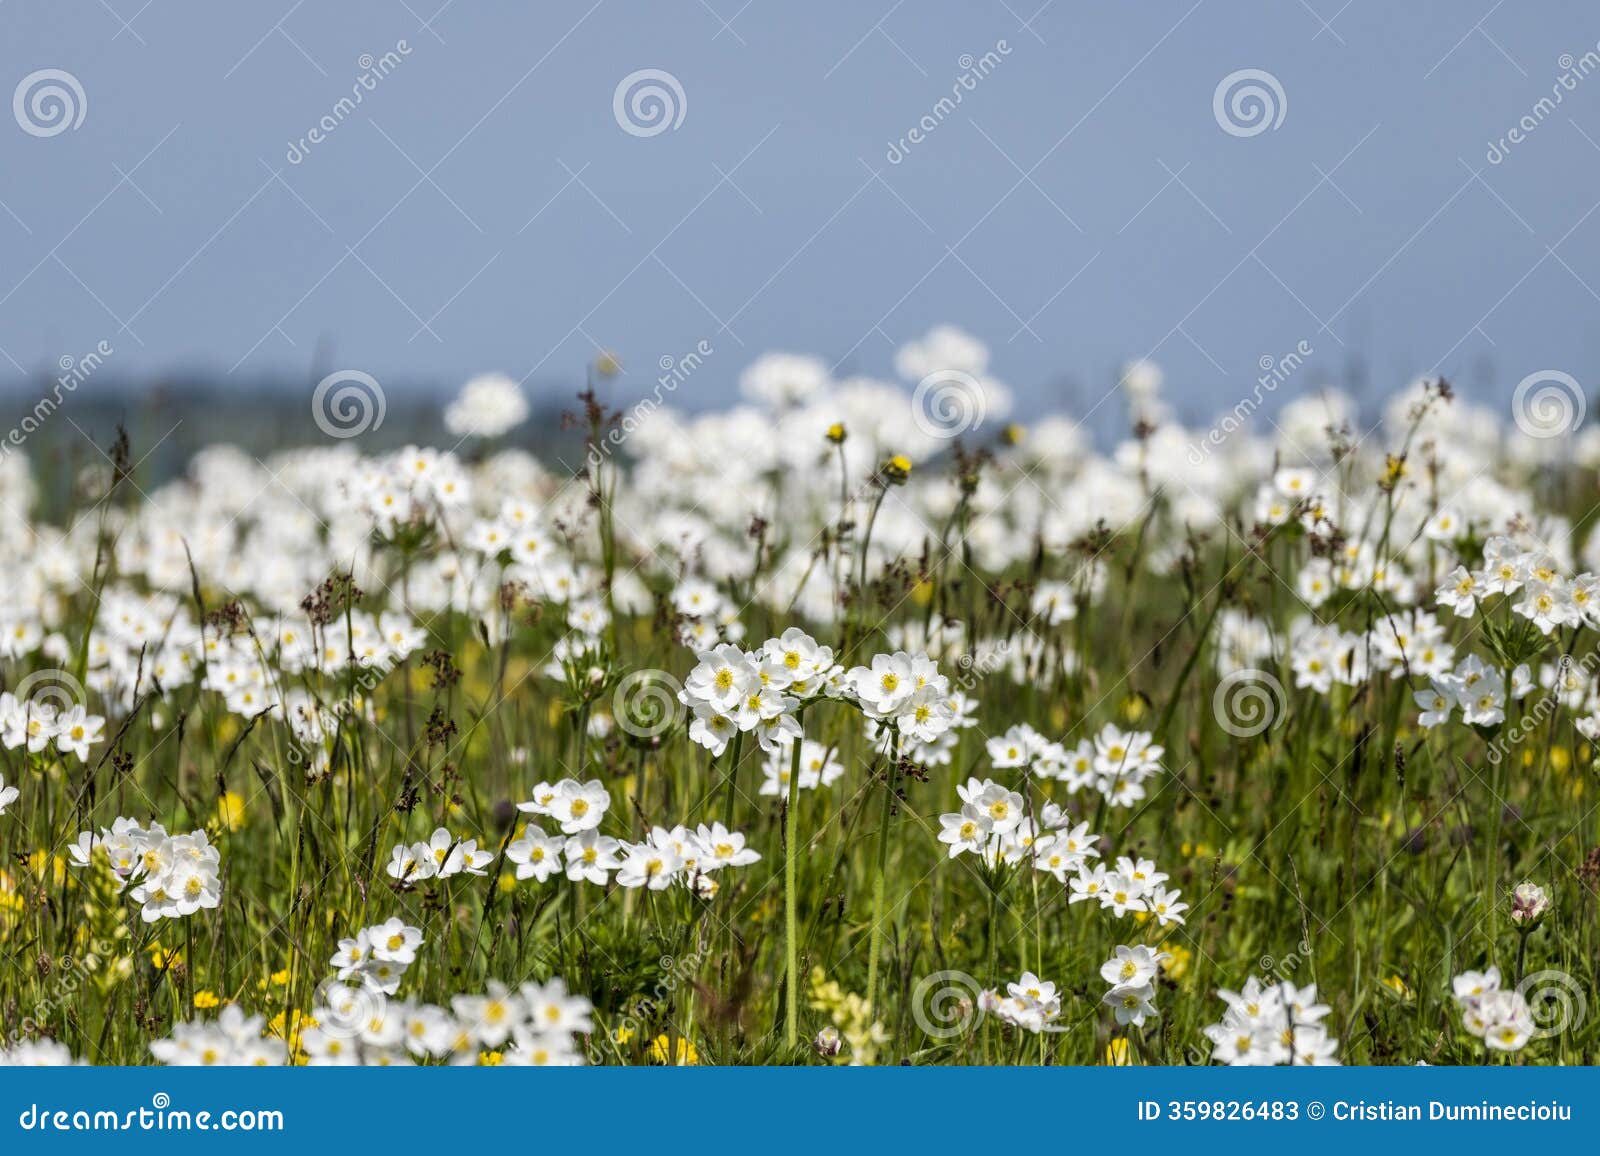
pixel 482 207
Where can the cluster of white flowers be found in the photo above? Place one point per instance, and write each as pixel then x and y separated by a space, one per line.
pixel 1030 1004
pixel 994 823
pixel 1272 1024
pixel 488 406
pixel 232 1040
pixel 377 957
pixel 1115 763
pixel 680 855
pixel 367 642
pixel 442 856
pixel 1132 972
pixel 535 1025
pixel 664 857
pixel 39 723
pixel 732 691
pixel 42 1053
pixel 1498 1016
pixel 938 751
pixel 174 875
pixel 905 692
pixel 1477 689
pixel 1400 644
pixel 410 485
pixel 1132 886
pixel 1548 598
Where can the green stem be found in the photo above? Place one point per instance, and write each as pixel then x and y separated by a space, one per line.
pixel 791 922
pixel 875 942
pixel 733 781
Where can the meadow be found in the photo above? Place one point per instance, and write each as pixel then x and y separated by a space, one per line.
pixel 858 723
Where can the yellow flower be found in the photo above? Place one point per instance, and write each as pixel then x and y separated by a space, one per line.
pixel 622 1035
pixel 836 432
pixel 1014 434
pixel 289 1032
pixel 1177 965
pixel 896 470
pixel 276 979
pixel 40 861
pixel 163 959
pixel 10 901
pixel 1120 1055
pixel 230 811
pixel 1399 986
pixel 489 1059
pixel 206 999
pixel 661 1049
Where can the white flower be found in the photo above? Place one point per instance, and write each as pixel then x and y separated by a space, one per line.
pixel 1132 966
pixel 487 407
pixel 782 380
pixel 536 854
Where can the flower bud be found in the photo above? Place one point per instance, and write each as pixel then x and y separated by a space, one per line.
pixel 1529 902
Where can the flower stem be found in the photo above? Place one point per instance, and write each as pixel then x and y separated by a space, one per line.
pixel 733 781
pixel 791 921
pixel 875 941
